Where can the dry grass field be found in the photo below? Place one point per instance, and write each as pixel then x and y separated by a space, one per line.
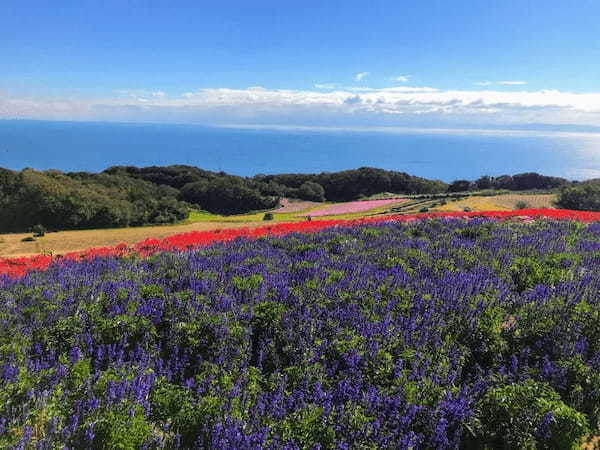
pixel 503 202
pixel 68 241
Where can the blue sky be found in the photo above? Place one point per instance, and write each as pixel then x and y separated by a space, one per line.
pixel 343 63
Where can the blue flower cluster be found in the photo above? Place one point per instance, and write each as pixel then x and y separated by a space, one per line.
pixel 434 334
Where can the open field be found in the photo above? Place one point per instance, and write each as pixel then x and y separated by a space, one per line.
pixel 67 241
pixel 288 206
pixel 505 202
pixel 354 207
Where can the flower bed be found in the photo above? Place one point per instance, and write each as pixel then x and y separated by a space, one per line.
pixel 16 267
pixel 430 334
pixel 353 207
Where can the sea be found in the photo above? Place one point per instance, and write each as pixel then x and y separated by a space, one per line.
pixel 445 154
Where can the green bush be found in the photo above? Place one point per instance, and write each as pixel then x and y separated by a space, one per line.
pixel 38 230
pixel 583 196
pixel 122 428
pixel 268 216
pixel 526 415
pixel 521 205
pixel 528 272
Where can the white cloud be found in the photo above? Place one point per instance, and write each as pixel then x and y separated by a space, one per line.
pixel 347 105
pixel 483 83
pixel 325 86
pixel 512 83
pixel 390 89
pixel 401 78
pixel 359 76
pixel 159 94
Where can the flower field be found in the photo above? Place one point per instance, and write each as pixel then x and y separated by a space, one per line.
pixel 16 267
pixel 353 207
pixel 286 206
pixel 389 333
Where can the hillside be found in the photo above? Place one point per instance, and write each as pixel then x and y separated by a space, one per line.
pixel 131 196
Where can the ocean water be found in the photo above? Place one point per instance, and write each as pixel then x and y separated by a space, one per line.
pixel 445 155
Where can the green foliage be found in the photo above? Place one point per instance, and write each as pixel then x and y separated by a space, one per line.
pixel 350 184
pixel 38 230
pixel 308 428
pixel 53 200
pixel 247 284
pixel 459 186
pixel 521 205
pixel 268 216
pixel 123 428
pixel 582 196
pixel 311 191
pixel 526 415
pixel 528 272
pixel 519 182
pixel 226 195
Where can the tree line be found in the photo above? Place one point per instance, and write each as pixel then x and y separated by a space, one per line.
pixel 124 196
pixel 519 182
pixel 58 201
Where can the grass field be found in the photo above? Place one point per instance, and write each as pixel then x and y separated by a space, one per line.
pixel 505 202
pixel 67 241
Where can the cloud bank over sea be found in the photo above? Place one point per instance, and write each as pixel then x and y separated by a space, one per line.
pixel 325 105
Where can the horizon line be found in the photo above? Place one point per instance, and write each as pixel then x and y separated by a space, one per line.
pixel 459 131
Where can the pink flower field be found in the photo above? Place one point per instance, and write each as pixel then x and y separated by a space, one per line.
pixel 292 207
pixel 353 207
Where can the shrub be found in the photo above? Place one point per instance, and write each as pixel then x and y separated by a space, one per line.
pixel 424 209
pixel 521 205
pixel 38 230
pixel 527 415
pixel 583 196
pixel 268 216
pixel 527 272
pixel 467 209
pixel 28 239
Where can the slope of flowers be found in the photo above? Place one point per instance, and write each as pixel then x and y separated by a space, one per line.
pixel 353 207
pixel 17 267
pixel 429 334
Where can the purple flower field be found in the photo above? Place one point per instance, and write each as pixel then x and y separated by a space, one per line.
pixel 433 334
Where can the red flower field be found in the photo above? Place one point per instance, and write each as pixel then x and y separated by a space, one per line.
pixel 17 267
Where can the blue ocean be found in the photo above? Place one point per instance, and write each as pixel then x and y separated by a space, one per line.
pixel 445 155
